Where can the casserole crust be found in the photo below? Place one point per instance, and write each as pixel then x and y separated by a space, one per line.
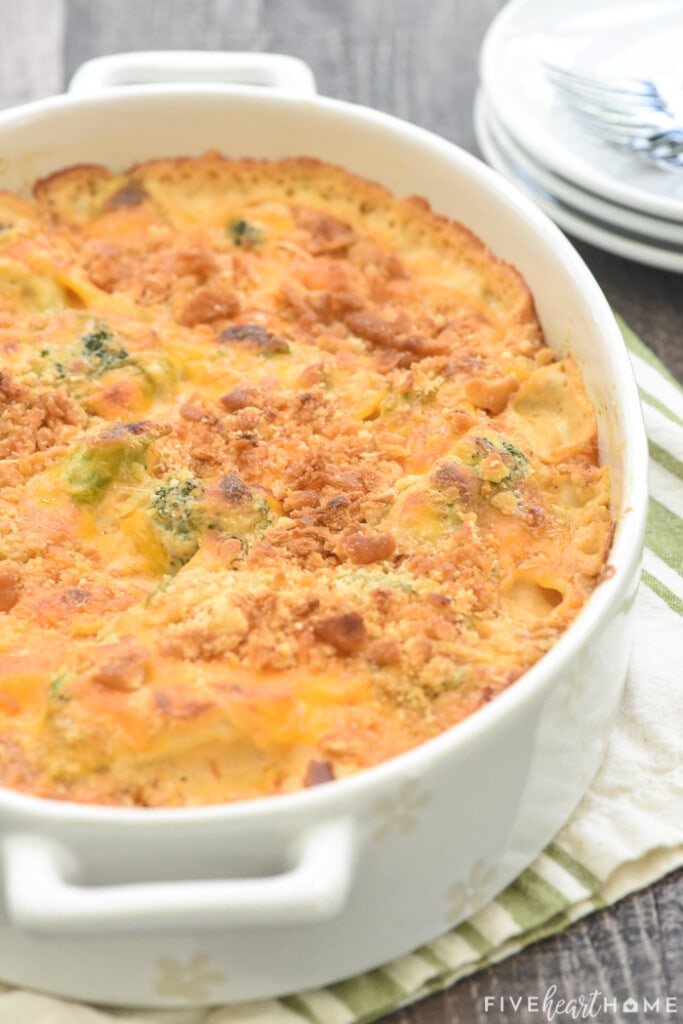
pixel 289 480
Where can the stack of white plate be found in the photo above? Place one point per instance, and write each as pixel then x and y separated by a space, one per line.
pixel 605 195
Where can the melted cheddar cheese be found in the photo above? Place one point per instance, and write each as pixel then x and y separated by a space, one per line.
pixel 289 481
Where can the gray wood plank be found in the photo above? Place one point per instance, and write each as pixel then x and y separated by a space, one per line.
pixel 632 950
pixel 31 58
pixel 415 61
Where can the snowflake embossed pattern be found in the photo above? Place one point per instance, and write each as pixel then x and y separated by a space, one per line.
pixel 399 814
pixel 190 981
pixel 465 897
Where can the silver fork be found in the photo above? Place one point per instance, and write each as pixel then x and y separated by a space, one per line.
pixel 630 112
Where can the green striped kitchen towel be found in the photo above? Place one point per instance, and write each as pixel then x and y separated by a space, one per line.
pixel 627 832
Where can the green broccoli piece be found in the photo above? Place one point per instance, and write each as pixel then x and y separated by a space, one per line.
pixel 114 453
pixel 102 352
pixel 177 517
pixel 175 505
pixel 243 234
pixel 514 459
pixel 95 353
pixel 182 510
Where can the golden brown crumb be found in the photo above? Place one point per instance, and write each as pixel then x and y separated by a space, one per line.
pixel 290 481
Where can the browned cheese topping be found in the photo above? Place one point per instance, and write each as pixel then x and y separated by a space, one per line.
pixel 289 480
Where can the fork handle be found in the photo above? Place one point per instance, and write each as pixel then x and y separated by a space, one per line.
pixel 664 146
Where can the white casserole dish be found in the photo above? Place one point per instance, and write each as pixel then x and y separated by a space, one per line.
pixel 229 903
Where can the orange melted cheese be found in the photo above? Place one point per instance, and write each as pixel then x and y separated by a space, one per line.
pixel 289 481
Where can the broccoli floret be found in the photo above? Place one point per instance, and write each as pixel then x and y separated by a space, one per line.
pixel 102 352
pixel 95 353
pixel 112 454
pixel 177 516
pixel 174 505
pixel 243 234
pixel 517 462
pixel 184 510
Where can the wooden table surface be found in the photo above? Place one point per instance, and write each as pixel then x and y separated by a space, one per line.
pixel 417 60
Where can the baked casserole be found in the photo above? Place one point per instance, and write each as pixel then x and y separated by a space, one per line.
pixel 289 483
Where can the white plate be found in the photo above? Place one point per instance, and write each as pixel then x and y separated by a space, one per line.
pixel 620 37
pixel 593 230
pixel 655 229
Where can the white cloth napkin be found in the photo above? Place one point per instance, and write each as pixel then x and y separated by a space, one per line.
pixel 627 832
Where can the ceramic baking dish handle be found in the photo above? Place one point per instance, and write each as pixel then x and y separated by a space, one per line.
pixel 43 895
pixel 271 69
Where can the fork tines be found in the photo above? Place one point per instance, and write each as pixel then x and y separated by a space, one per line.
pixel 581 82
pixel 629 112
